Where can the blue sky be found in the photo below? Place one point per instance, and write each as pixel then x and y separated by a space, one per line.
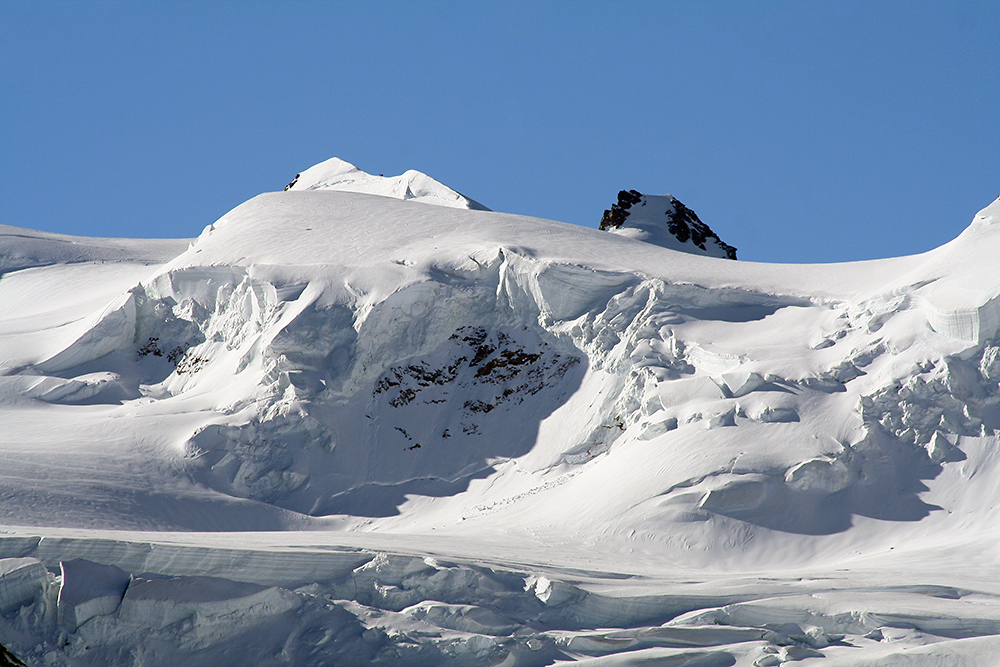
pixel 799 131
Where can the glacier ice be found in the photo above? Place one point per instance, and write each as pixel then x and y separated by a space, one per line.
pixel 89 589
pixel 21 581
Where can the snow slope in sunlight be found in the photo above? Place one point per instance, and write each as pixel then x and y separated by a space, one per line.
pixel 342 427
pixel 336 174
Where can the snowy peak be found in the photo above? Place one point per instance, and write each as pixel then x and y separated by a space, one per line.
pixel 336 174
pixel 664 221
pixel 989 215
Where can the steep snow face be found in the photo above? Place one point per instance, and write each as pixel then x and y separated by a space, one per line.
pixel 663 220
pixel 336 174
pixel 326 375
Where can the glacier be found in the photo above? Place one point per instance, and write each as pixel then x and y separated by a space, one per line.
pixel 367 421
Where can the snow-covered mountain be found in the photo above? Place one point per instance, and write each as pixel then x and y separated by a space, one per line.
pixel 346 427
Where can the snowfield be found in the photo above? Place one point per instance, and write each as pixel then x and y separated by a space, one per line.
pixel 366 421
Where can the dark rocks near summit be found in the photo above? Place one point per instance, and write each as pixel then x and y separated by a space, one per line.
pixel 614 217
pixel 680 221
pixel 685 224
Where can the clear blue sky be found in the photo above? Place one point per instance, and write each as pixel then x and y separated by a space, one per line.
pixel 799 131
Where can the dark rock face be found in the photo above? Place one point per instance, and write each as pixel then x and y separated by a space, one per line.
pixel 8 659
pixel 684 224
pixel 681 222
pixel 616 216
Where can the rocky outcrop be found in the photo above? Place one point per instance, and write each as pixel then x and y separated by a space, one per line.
pixel 614 217
pixel 8 659
pixel 651 214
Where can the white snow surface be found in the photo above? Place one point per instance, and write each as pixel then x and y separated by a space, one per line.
pixel 411 185
pixel 343 427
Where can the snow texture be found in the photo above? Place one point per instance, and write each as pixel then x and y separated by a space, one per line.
pixel 344 427
pixel 336 174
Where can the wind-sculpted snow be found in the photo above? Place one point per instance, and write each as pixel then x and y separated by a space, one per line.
pixel 336 174
pixel 26 248
pixel 769 463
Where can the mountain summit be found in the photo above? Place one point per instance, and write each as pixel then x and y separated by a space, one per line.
pixel 665 221
pixel 337 174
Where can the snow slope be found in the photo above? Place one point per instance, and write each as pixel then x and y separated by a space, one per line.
pixel 344 427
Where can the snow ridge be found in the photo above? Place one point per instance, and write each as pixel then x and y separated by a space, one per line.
pixel 411 185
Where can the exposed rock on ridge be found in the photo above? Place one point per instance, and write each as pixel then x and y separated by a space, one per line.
pixel 651 214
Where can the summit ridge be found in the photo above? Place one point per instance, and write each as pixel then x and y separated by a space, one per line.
pixel 411 185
